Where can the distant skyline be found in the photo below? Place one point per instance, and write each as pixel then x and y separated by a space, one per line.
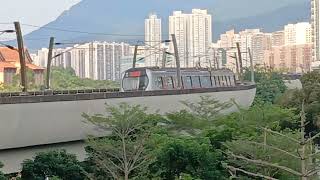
pixel 38 12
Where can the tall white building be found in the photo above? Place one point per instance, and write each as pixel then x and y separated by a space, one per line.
pixel 315 20
pixel 246 41
pixel 299 33
pixel 153 40
pixel 63 60
pixel 194 36
pixel 261 42
pixel 95 60
pixel 42 57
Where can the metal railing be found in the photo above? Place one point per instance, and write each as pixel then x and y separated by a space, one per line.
pixel 57 92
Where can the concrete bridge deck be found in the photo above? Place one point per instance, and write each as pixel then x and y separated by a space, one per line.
pixel 29 124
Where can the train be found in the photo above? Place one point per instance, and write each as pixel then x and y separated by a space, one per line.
pixel 153 79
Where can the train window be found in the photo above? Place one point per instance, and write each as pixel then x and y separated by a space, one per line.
pixel 159 83
pixel 224 83
pixel 230 80
pixel 218 81
pixel 143 83
pixel 205 82
pixel 187 84
pixel 175 81
pixel 196 82
pixel 169 82
pixel 213 79
pixel 225 80
pixel 135 83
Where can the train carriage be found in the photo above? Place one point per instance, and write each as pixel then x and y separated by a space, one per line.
pixel 151 79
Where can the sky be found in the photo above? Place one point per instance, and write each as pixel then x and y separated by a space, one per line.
pixel 35 12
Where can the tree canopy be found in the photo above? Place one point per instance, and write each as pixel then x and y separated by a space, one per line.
pixel 54 163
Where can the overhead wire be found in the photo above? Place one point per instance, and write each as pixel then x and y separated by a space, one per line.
pixel 82 32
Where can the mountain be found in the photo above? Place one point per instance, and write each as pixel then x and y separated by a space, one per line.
pixel 268 22
pixel 127 17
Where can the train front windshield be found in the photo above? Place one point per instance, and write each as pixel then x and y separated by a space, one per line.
pixel 135 81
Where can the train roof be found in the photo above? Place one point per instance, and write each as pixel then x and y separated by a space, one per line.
pixel 182 69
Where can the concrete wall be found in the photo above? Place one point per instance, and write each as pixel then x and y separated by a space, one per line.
pixel 30 124
pixel 293 84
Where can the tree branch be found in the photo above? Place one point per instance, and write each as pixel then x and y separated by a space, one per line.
pixel 275 148
pixel 114 175
pixel 311 139
pixel 250 173
pixel 279 134
pixel 289 170
pixel 313 172
pixel 311 155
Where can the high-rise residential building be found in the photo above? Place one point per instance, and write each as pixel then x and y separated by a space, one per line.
pixel 228 39
pixel 246 41
pixel 153 40
pixel 42 57
pixel 277 38
pixel 299 33
pixel 315 20
pixel 260 42
pixel 194 36
pixel 94 60
pixel 178 26
pixel 63 60
pixel 290 58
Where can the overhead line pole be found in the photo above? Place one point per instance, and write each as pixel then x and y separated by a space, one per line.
pixel 164 58
pixel 237 64
pixel 21 57
pixel 135 56
pixel 240 60
pixel 251 66
pixel 176 53
pixel 51 44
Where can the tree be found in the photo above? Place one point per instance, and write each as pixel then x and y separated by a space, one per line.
pixel 197 116
pixel 269 84
pixel 291 154
pixel 124 153
pixel 2 176
pixel 54 163
pixel 62 79
pixel 310 94
pixel 242 124
pixel 187 157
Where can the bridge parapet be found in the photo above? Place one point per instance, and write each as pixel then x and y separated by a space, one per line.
pixel 78 95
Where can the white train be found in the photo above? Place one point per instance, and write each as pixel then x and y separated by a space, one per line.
pixel 151 79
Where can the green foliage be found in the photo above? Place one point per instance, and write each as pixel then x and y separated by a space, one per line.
pixel 207 108
pixel 310 95
pixel 16 85
pixel 2 176
pixel 61 79
pixel 269 84
pixel 188 157
pixel 258 151
pixel 66 79
pixel 197 116
pixel 219 135
pixel 243 124
pixel 54 163
pixel 123 154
